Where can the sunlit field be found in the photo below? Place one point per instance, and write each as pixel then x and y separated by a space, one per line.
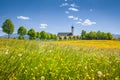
pixel 59 60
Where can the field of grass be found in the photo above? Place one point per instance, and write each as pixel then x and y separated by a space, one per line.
pixel 59 60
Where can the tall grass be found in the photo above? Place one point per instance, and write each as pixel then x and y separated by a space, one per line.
pixel 36 60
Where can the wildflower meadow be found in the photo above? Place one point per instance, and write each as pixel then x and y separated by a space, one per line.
pixel 59 60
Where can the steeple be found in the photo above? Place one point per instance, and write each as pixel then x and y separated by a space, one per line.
pixel 72 30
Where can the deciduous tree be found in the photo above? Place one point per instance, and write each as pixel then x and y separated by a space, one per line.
pixel 8 27
pixel 32 34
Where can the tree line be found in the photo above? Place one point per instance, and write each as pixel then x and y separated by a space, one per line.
pixel 8 28
pixel 96 35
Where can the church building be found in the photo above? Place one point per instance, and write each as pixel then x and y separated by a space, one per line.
pixel 67 33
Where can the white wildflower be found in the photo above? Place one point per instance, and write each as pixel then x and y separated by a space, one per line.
pixel 19 55
pixel 6 52
pixel 50 51
pixel 36 68
pixel 99 74
pixel 85 67
pixel 42 78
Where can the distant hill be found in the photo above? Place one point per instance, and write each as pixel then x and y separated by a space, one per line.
pixel 13 35
pixel 116 35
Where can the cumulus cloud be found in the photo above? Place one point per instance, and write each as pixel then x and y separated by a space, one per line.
pixel 70 17
pixel 23 17
pixel 43 25
pixel 73 17
pixel 73 5
pixel 73 9
pixel 78 22
pixel 66 12
pixel 64 4
pixel 88 22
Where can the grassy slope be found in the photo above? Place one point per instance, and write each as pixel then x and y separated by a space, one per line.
pixel 84 60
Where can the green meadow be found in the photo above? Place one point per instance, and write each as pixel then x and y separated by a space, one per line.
pixel 51 60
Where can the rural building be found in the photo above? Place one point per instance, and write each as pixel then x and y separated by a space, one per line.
pixel 66 33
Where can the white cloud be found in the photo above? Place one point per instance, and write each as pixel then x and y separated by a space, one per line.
pixel 73 5
pixel 75 18
pixel 23 17
pixel 66 12
pixel 43 25
pixel 70 17
pixel 64 4
pixel 73 9
pixel 78 22
pixel 88 22
pixel 80 19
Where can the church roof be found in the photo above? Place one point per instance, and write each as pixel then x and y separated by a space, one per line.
pixel 64 34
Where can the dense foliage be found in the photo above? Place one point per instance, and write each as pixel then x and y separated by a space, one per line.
pixel 32 34
pixel 22 31
pixel 96 35
pixel 8 27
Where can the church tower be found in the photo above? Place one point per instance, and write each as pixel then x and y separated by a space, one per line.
pixel 72 30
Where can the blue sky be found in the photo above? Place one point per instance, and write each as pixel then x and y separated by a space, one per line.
pixel 59 15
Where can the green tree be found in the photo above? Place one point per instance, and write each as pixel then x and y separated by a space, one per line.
pixel 43 35
pixel 99 35
pixel 109 36
pixel 65 37
pixel 70 37
pixel 8 27
pixel 37 34
pixel 55 37
pixel 21 37
pixel 83 34
pixel 74 37
pixel 32 34
pixel 78 37
pixel 91 35
pixel 22 31
pixel 52 36
pixel 48 36
pixel 60 38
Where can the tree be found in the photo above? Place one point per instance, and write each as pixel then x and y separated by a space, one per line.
pixel 48 36
pixel 65 37
pixel 91 35
pixel 22 32
pixel 60 38
pixel 99 35
pixel 70 37
pixel 83 34
pixel 74 37
pixel 37 34
pixel 32 34
pixel 78 37
pixel 8 27
pixel 109 36
pixel 55 37
pixel 43 35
